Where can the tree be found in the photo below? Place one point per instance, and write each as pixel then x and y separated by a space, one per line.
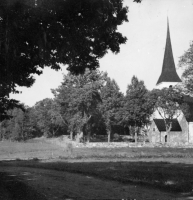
pixel 78 98
pixel 112 102
pixel 186 62
pixel 30 123
pixel 38 33
pixel 138 107
pixel 18 127
pixel 7 104
pixel 48 120
pixel 170 104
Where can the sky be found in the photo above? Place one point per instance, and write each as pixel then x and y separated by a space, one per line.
pixel 143 53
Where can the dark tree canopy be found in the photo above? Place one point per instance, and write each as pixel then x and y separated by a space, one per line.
pixel 38 33
pixel 78 98
pixel 138 106
pixel 112 102
pixel 48 32
pixel 170 104
pixel 186 62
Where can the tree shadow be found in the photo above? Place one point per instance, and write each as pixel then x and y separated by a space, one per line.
pixel 12 188
pixel 171 177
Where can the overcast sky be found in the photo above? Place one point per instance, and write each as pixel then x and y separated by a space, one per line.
pixel 143 53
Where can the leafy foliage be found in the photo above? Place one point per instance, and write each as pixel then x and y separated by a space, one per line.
pixel 78 98
pixel 48 119
pixel 170 104
pixel 38 33
pixel 40 120
pixel 19 127
pixel 138 106
pixel 91 103
pixel 5 105
pixel 112 102
pixel 186 62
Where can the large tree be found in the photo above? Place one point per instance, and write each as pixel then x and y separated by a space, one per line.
pixel 19 127
pixel 38 33
pixel 186 62
pixel 78 98
pixel 49 121
pixel 138 106
pixel 169 103
pixel 112 102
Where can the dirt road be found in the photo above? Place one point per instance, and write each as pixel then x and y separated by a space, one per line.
pixel 21 183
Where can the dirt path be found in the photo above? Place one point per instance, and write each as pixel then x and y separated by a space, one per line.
pixel 29 183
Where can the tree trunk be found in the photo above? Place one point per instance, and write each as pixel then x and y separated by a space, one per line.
pixel 22 131
pixel 135 135
pixel 88 137
pixel 124 131
pixel 71 135
pixel 129 127
pixel 168 129
pixel 109 135
pixel 168 135
pixel 54 132
pixel 79 137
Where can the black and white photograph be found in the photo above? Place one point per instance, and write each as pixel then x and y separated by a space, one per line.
pixel 96 99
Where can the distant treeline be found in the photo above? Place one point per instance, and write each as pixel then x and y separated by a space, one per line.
pixel 91 104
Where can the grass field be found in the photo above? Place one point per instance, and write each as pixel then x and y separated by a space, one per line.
pixel 172 177
pixel 28 150
pixel 168 169
pixel 53 148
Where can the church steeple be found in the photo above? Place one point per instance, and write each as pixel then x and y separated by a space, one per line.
pixel 168 73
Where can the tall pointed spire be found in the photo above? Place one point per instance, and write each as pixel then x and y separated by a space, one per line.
pixel 168 73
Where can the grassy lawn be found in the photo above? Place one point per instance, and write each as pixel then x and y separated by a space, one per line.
pixel 27 150
pixel 48 148
pixel 130 166
pixel 177 178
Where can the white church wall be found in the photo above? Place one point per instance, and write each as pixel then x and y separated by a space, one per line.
pixel 153 134
pixel 191 132
pixel 165 85
pixel 173 137
pixel 177 137
pixel 156 115
pixel 184 137
pixel 164 137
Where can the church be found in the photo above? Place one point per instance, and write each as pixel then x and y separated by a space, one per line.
pixel 182 127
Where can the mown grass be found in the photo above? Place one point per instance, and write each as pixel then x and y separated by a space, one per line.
pixel 30 149
pixel 46 149
pixel 174 177
pixel 177 178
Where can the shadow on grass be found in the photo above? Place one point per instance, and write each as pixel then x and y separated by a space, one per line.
pixel 12 188
pixel 175 177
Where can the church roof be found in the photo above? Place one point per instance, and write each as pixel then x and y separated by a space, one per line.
pixel 161 125
pixel 168 73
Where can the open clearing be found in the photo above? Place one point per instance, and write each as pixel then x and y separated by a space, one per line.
pixel 49 171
